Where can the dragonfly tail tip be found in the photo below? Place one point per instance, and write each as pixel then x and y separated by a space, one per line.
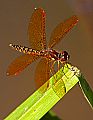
pixel 10 44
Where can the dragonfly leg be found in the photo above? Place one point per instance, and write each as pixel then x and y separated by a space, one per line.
pixel 52 68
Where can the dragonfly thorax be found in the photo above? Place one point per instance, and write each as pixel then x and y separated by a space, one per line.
pixel 55 55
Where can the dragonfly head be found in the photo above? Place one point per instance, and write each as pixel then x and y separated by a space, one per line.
pixel 64 56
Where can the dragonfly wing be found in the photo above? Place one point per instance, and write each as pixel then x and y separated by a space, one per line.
pixel 20 63
pixel 42 72
pixel 36 30
pixel 61 30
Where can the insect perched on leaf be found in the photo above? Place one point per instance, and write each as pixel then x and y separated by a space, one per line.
pixel 37 39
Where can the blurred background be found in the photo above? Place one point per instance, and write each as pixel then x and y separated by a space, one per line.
pixel 14 19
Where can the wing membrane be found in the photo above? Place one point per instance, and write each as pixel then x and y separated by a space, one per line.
pixel 42 72
pixel 20 63
pixel 36 30
pixel 61 30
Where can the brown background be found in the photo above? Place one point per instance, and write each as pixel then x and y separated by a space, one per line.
pixel 14 18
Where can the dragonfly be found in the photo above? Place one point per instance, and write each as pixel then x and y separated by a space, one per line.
pixel 39 49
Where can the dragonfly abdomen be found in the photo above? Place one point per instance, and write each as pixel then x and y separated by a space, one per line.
pixel 24 49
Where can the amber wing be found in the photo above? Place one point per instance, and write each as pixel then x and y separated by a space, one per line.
pixel 61 30
pixel 36 30
pixel 42 72
pixel 20 63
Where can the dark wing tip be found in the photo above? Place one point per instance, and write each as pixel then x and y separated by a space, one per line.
pixel 7 73
pixel 11 74
pixel 75 19
pixel 40 10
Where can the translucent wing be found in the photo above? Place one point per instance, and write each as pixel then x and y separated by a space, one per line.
pixel 20 63
pixel 36 30
pixel 61 30
pixel 42 73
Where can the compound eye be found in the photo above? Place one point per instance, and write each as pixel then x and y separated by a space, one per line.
pixel 65 55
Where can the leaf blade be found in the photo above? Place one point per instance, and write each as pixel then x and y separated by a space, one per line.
pixel 86 90
pixel 31 108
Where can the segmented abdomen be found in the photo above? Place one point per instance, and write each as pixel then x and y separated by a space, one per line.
pixel 24 49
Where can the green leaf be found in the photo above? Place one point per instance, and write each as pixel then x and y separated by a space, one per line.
pixel 87 91
pixel 40 102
